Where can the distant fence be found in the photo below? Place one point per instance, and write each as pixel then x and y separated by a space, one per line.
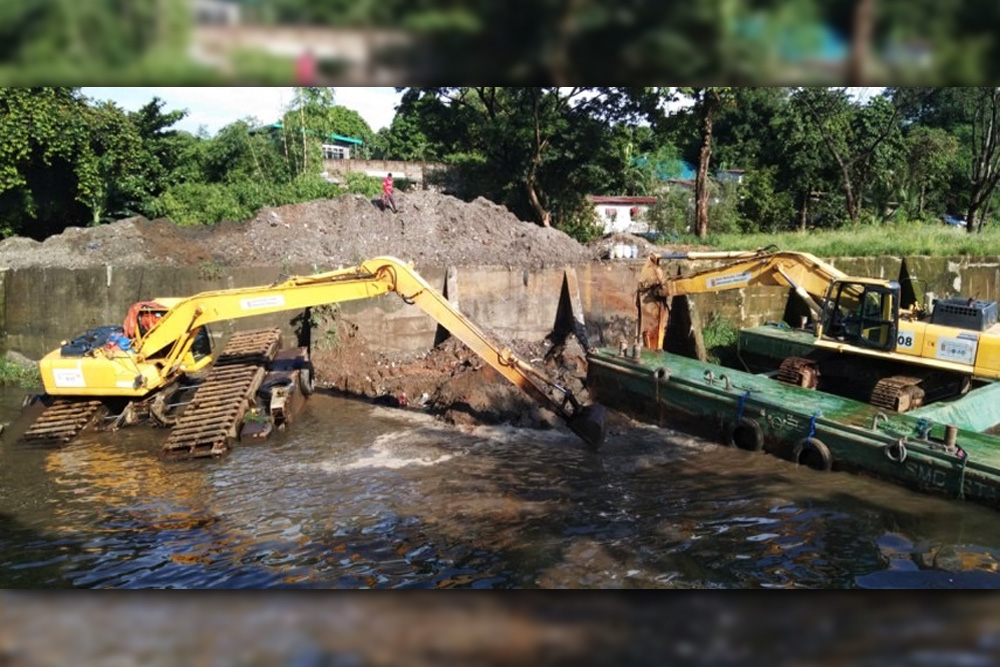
pixel 415 172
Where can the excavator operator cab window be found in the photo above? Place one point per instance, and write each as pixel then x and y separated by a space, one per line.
pixel 202 345
pixel 864 314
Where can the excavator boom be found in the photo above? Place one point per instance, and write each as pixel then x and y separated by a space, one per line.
pixel 808 275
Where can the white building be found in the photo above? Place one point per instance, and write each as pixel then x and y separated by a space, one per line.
pixel 216 12
pixel 622 214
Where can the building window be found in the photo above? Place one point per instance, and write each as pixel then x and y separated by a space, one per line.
pixel 331 152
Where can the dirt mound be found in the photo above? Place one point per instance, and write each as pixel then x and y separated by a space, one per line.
pixel 119 244
pixel 430 229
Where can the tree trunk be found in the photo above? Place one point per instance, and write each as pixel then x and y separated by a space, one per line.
pixel 803 212
pixel 850 198
pixel 970 216
pixel 861 36
pixel 923 192
pixel 701 182
pixel 544 216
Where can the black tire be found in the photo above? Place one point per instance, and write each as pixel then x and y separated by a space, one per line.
pixel 813 453
pixel 306 383
pixel 746 434
pixel 29 400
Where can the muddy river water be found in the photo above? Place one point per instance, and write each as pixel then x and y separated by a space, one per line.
pixel 357 495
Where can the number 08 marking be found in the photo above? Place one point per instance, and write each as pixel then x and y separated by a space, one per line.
pixel 904 340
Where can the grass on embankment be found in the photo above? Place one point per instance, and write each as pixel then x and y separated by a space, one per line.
pixel 871 241
pixel 16 375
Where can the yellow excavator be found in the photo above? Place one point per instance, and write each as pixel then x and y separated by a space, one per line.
pixel 857 336
pixel 165 342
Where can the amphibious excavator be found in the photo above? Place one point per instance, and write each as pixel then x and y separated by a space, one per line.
pixel 163 350
pixel 857 338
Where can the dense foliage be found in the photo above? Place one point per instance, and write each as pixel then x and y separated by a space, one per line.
pixel 811 158
pixel 69 161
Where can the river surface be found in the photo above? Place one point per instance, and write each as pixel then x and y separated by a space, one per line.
pixel 356 495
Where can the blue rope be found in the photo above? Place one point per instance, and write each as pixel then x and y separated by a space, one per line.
pixel 812 425
pixel 741 404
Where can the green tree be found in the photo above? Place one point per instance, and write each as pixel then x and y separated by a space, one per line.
pixel 864 141
pixel 405 139
pixel 537 150
pixel 762 207
pixel 932 154
pixel 802 169
pixel 45 135
pixel 985 173
pixel 112 181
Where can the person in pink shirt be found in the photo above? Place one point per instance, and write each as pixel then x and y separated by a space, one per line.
pixel 387 199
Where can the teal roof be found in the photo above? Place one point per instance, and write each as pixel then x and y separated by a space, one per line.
pixel 336 137
pixel 667 169
pixel 807 40
pixel 350 140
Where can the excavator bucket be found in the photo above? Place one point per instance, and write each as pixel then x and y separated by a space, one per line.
pixel 590 425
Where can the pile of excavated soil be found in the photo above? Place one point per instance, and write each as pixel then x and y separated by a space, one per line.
pixel 430 229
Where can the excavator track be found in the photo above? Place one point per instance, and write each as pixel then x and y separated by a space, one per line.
pixel 898 393
pixel 215 414
pixel 799 372
pixel 62 421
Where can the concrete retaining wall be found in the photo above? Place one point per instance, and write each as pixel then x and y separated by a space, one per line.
pixel 39 307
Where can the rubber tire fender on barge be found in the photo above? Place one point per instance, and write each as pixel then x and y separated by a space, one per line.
pixel 306 383
pixel 817 455
pixel 746 434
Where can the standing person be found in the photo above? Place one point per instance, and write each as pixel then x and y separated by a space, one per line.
pixel 305 69
pixel 387 199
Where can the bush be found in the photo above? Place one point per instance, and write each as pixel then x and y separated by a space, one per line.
pixel 582 224
pixel 673 212
pixel 761 207
pixel 361 184
pixel 720 337
pixel 201 204
pixel 723 212
pixel 12 374
pixel 305 188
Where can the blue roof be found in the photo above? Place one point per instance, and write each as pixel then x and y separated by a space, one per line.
pixel 667 169
pixel 802 42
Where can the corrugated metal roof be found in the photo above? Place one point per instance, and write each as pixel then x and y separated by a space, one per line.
pixel 623 200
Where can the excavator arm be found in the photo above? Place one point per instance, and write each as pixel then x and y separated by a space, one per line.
pixel 808 275
pixel 174 333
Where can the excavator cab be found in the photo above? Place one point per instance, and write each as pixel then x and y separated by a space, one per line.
pixel 863 313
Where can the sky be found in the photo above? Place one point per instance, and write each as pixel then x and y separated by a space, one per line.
pixel 214 108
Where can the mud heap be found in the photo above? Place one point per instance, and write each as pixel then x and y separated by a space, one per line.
pixel 430 229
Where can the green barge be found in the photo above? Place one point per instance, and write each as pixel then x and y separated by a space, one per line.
pixel 942 448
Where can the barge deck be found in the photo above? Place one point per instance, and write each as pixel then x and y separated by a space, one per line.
pixel 922 449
